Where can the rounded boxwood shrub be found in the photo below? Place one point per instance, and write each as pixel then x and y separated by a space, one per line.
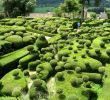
pixel 33 76
pixel 85 78
pixel 30 48
pixel 37 83
pixel 78 69
pixel 26 73
pixel 28 40
pixel 19 33
pixel 72 97
pixel 16 74
pixel 108 52
pixel 76 82
pixel 88 44
pixel 59 91
pixel 16 40
pixel 97 51
pixel 101 70
pixel 59 76
pixel 32 65
pixel 68 66
pixel 70 48
pixel 41 42
pixel 64 59
pixel 58 68
pixel 53 63
pixel 75 51
pixel 62 96
pixel 38 70
pixel 102 45
pixel 16 93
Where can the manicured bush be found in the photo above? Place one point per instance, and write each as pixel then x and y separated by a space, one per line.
pixel 88 43
pixel 16 93
pixel 59 91
pixel 32 65
pixel 62 96
pixel 25 60
pixel 16 40
pixel 53 63
pixel 30 48
pixel 97 51
pixel 72 97
pixel 101 70
pixel 75 82
pixel 16 74
pixel 78 69
pixel 19 33
pixel 28 40
pixel 59 76
pixel 85 78
pixel 41 42
pixel 68 66
pixel 102 45
pixel 26 73
pixel 108 52
pixel 37 83
pixel 64 59
pixel 33 76
pixel 43 74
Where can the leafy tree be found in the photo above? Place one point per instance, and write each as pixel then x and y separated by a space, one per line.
pixel 14 8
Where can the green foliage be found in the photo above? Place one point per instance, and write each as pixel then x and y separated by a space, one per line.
pixel 16 40
pixel 41 42
pixel 22 7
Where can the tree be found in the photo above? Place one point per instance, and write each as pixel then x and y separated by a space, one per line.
pixel 14 8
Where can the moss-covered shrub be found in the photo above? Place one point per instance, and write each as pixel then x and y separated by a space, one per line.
pixel 85 78
pixel 101 70
pixel 78 69
pixel 76 82
pixel 41 42
pixel 32 65
pixel 53 63
pixel 33 76
pixel 30 48
pixel 16 40
pixel 88 43
pixel 26 73
pixel 68 66
pixel 16 93
pixel 16 74
pixel 59 76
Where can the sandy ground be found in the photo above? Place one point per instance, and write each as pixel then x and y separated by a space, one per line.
pixel 35 15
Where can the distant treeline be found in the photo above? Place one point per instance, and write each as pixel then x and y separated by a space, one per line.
pixel 49 2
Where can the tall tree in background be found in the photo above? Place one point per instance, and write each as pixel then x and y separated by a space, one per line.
pixel 14 8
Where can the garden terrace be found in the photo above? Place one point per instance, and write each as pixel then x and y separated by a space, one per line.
pixel 73 64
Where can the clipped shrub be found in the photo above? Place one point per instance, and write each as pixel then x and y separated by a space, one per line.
pixel 25 60
pixel 102 45
pixel 97 51
pixel 33 76
pixel 62 96
pixel 101 70
pixel 76 82
pixel 37 83
pixel 58 68
pixel 32 65
pixel 28 40
pixel 16 40
pixel 68 66
pixel 16 74
pixel 70 48
pixel 41 42
pixel 53 63
pixel 19 33
pixel 64 59
pixel 72 97
pixel 59 76
pixel 16 93
pixel 85 78
pixel 30 48
pixel 59 91
pixel 108 52
pixel 43 74
pixel 88 44
pixel 78 69
pixel 26 73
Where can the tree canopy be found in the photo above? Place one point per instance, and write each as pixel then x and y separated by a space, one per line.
pixel 14 8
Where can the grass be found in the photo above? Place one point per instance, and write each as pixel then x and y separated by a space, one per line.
pixel 105 94
pixel 9 83
pixel 43 9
